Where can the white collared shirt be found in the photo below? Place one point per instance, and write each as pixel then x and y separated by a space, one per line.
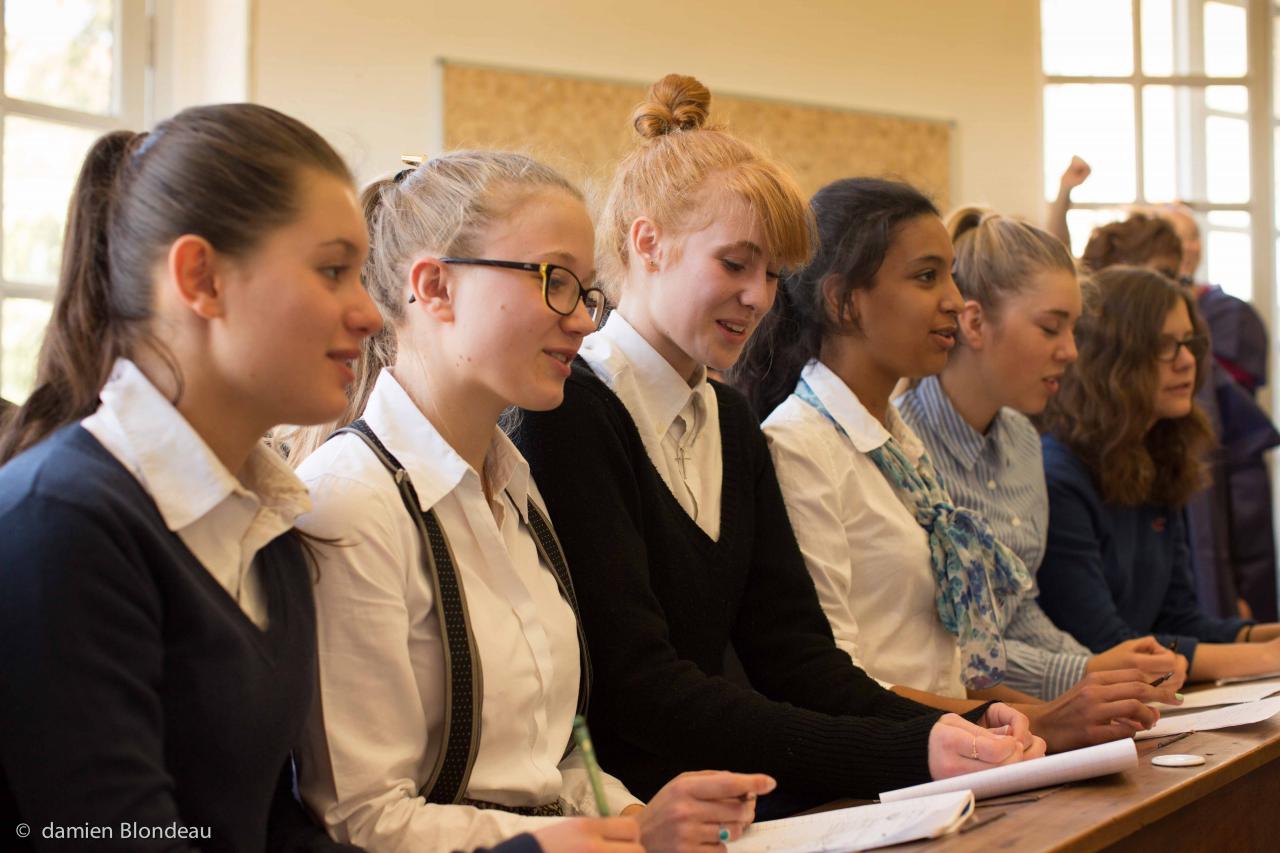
pixel 374 734
pixel 223 521
pixel 678 423
pixel 868 556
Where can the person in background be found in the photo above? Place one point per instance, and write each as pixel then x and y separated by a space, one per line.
pixel 1022 298
pixel 662 490
pixel 1229 523
pixel 1123 446
pixel 156 613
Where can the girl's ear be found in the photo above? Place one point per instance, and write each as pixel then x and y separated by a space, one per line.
pixel 193 271
pixel 430 288
pixel 644 241
pixel 973 325
pixel 844 311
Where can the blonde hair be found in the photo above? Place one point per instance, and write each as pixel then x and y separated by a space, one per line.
pixel 678 155
pixel 443 206
pixel 996 256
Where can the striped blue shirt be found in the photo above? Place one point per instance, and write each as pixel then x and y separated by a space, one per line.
pixel 1001 475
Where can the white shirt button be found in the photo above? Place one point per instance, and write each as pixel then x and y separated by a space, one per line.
pixel 991 484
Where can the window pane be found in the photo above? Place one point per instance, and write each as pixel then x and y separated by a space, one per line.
pixel 1226 47
pixel 1182 157
pixel 1086 37
pixel 1227 99
pixel 60 52
pixel 1180 38
pixel 1095 122
pixel 41 161
pixel 1230 259
pixel 1160 152
pixel 1157 37
pixel 22 323
pixel 1228 219
pixel 1081 222
pixel 1226 159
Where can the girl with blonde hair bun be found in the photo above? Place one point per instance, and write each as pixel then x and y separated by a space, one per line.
pixel 666 501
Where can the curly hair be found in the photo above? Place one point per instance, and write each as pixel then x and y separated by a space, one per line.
pixel 1137 240
pixel 1105 408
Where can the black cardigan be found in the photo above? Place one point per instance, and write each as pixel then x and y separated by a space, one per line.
pixel 662 603
pixel 133 690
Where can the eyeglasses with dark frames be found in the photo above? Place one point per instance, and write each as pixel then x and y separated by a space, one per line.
pixel 562 290
pixel 1197 345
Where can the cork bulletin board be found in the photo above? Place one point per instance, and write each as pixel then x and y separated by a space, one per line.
pixel 581 127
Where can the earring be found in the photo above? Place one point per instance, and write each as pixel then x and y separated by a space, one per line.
pixel 652 264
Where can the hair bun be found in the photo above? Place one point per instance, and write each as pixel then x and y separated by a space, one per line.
pixel 676 102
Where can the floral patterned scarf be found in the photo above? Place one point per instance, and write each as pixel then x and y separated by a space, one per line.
pixel 978 581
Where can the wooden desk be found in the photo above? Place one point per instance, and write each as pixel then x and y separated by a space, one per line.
pixel 1230 803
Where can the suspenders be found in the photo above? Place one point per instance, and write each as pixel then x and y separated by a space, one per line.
pixel 464 680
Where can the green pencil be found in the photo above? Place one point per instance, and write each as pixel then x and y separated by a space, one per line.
pixel 583 737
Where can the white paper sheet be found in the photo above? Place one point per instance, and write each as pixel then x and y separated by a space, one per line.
pixel 1232 694
pixel 1241 679
pixel 1217 718
pixel 859 827
pixel 1113 757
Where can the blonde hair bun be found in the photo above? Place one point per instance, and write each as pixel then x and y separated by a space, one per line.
pixel 676 102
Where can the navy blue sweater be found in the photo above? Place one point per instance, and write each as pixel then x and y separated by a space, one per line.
pixel 136 698
pixel 1112 573
pixel 662 602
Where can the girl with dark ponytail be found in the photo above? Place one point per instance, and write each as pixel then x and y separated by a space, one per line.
pixel 916 589
pixel 156 613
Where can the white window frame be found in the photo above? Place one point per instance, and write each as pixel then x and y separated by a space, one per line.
pixel 130 105
pixel 1257 82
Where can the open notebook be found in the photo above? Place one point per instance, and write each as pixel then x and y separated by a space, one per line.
pixel 859 827
pixel 1114 757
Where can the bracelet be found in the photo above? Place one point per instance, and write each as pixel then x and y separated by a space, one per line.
pixel 1248 632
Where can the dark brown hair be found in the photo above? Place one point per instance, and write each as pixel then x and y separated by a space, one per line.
pixel 228 173
pixel 858 220
pixel 1105 409
pixel 1135 241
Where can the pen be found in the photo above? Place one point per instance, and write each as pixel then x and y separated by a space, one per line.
pixel 1173 647
pixel 583 739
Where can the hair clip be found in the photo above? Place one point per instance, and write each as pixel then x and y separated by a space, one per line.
pixel 402 174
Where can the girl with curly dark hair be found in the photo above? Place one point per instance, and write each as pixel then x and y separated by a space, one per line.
pixel 1123 455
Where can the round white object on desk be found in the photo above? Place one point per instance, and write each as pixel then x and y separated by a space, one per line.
pixel 1178 760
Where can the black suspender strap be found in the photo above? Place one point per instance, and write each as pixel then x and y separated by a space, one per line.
pixel 549 547
pixel 463 679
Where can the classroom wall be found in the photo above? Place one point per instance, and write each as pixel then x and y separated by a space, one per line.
pixel 365 72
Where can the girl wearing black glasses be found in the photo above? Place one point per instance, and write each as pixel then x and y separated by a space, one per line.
pixel 451 659
pixel 1123 453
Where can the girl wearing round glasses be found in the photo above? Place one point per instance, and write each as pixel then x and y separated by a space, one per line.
pixel 1123 453
pixel 451 658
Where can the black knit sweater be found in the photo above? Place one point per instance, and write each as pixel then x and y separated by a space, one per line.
pixel 662 602
pixel 137 701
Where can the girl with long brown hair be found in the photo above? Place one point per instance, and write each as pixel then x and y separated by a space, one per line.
pixel 156 614
pixel 1123 454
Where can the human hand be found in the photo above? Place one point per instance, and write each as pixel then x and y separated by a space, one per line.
pixel 1077 172
pixel 1006 719
pixel 957 746
pixel 1145 654
pixel 591 835
pixel 1101 707
pixel 702 810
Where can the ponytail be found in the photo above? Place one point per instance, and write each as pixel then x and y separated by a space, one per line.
pixel 775 355
pixel 86 333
